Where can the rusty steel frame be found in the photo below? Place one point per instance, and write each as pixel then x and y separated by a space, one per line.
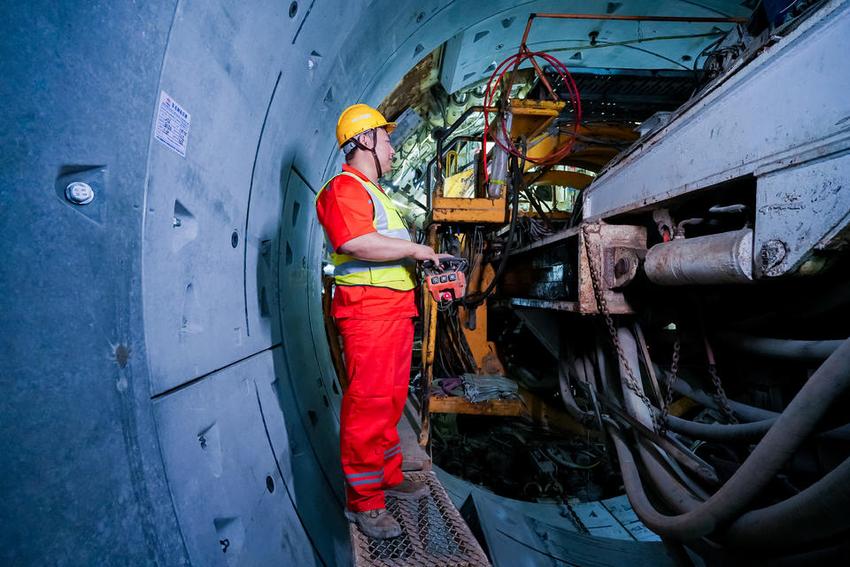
pixel 613 242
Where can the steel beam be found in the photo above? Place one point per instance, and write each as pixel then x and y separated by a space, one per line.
pixel 777 106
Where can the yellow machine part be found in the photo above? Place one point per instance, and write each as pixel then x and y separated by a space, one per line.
pixel 532 117
pixel 597 144
pixel 574 179
pixel 471 210
pixel 460 185
pixel 483 351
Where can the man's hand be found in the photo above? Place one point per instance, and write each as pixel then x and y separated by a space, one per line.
pixel 424 253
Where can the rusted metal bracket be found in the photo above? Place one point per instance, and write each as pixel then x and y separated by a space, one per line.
pixel 617 249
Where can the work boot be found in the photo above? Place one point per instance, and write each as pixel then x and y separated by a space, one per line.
pixel 377 524
pixel 407 490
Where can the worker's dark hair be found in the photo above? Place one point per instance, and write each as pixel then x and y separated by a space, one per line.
pixel 350 155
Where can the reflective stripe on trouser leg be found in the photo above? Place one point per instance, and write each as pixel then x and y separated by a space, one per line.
pixel 376 354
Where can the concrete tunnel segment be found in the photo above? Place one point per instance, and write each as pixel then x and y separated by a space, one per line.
pixel 170 398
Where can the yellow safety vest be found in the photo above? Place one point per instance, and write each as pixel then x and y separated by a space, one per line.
pixel 395 274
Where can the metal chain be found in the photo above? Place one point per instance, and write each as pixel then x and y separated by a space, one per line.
pixel 571 514
pixel 669 381
pixel 720 395
pixel 602 307
pixel 719 392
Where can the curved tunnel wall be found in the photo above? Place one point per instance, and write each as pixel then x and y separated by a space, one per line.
pixel 169 396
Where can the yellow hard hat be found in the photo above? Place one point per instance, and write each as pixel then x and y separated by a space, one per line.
pixel 359 118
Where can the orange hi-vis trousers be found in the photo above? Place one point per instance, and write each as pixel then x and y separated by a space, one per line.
pixel 377 361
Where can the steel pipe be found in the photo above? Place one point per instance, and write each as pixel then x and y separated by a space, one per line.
pixel 634 405
pixel 724 258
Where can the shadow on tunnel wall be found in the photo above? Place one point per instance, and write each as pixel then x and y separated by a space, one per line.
pixel 305 382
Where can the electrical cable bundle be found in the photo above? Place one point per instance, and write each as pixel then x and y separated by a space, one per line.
pixel 453 355
pixel 532 229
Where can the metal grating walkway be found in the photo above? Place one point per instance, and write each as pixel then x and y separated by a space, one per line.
pixel 433 534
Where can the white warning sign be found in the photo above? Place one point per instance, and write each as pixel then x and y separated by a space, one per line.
pixel 172 124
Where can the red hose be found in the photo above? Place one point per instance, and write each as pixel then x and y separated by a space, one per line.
pixel 490 94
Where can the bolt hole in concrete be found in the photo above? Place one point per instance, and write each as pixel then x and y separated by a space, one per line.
pixel 270 484
pixel 122 355
pixel 293 9
pixel 234 239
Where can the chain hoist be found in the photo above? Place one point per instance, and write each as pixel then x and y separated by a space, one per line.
pixel 602 307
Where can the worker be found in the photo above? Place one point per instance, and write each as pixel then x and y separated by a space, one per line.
pixel 373 306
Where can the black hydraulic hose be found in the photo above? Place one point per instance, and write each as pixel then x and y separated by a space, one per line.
pixel 682 476
pixel 671 446
pixel 568 366
pixel 578 414
pixel 719 431
pixel 818 512
pixel 669 488
pixel 742 411
pixel 689 460
pixel 741 431
pixel 760 420
pixel 632 482
pixel 781 348
pixel 784 438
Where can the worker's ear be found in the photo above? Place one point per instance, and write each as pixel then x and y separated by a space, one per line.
pixel 366 139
